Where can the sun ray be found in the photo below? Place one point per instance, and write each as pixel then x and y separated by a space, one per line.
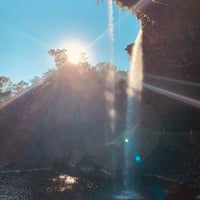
pixel 178 97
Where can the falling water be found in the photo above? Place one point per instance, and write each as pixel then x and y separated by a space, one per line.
pixel 111 24
pixel 110 90
pixel 135 77
pixel 110 93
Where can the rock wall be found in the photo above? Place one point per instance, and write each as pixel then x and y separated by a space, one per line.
pixel 62 120
pixel 171 43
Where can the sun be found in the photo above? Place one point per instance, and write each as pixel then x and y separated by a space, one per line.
pixel 75 49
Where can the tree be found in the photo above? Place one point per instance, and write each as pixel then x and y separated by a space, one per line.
pixel 5 84
pixel 106 70
pixel 35 81
pixel 19 87
pixel 60 57
pixel 48 75
pixel 105 67
pixel 6 87
pixel 84 64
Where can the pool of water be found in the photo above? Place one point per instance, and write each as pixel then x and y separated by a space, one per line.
pixel 50 184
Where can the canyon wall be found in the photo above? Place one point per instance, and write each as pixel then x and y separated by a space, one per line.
pixel 171 40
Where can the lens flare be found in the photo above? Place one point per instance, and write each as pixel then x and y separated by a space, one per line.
pixel 138 158
pixel 126 140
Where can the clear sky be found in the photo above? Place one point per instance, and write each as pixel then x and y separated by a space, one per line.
pixel 29 28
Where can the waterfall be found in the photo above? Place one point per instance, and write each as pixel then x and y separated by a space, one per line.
pixel 135 77
pixel 110 93
pixel 111 24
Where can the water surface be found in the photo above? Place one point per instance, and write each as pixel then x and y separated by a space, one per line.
pixel 50 184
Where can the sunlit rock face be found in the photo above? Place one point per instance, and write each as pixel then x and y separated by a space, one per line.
pixel 171 40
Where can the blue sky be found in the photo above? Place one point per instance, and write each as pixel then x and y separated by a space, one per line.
pixel 29 28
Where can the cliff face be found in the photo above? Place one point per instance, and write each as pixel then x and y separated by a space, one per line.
pixel 171 40
pixel 64 119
